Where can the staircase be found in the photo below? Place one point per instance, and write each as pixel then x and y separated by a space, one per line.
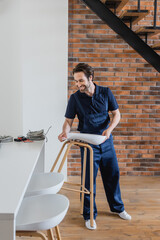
pixel 121 21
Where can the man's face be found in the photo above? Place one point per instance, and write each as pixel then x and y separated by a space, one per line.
pixel 82 82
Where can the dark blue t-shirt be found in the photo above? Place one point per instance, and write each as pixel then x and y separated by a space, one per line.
pixel 102 99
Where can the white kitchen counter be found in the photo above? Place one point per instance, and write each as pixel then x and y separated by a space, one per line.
pixel 18 161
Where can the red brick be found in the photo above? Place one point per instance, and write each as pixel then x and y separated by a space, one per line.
pixel 134 82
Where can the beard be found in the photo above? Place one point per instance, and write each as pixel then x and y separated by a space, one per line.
pixel 84 88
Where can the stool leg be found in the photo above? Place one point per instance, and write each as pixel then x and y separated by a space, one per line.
pixel 50 234
pixel 91 187
pixel 64 158
pixel 83 179
pixel 58 233
pixel 59 154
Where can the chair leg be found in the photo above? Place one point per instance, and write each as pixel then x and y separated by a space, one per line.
pixel 50 234
pixel 91 187
pixel 58 233
pixel 83 179
pixel 64 157
pixel 59 154
pixel 31 233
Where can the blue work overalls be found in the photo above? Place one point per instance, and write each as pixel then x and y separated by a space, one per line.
pixel 104 158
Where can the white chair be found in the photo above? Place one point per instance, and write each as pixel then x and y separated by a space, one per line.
pixel 45 183
pixel 42 212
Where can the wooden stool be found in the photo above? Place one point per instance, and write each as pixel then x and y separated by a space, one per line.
pixel 83 189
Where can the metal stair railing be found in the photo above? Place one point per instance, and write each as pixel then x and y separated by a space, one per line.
pixel 149 30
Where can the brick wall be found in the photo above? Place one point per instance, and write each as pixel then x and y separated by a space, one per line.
pixel 135 84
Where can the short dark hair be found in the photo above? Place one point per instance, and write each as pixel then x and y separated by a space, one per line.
pixel 85 68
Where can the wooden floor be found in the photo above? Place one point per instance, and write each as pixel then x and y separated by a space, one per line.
pixel 141 196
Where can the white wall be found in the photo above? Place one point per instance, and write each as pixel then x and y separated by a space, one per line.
pixel 10 69
pixel 37 32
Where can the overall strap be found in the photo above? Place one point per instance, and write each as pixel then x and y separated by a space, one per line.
pixel 79 104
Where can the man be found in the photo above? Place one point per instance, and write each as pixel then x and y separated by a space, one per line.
pixel 91 103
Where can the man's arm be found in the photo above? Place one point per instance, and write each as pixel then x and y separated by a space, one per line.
pixel 65 129
pixel 116 116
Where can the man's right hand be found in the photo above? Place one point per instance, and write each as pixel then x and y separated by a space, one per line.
pixel 62 137
pixel 66 129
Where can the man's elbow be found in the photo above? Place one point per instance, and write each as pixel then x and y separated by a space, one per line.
pixel 117 115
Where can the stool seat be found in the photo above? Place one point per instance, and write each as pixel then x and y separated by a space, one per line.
pixel 41 212
pixel 45 183
pixel 94 139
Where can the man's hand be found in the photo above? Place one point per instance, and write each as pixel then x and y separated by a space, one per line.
pixel 66 129
pixel 62 137
pixel 106 133
pixel 115 120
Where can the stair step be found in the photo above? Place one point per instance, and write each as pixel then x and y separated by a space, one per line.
pixel 115 4
pixel 156 46
pixel 133 15
pixel 150 31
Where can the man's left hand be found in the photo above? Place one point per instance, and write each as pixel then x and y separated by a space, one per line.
pixel 106 133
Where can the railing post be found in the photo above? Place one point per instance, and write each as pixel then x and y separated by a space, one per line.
pixel 139 5
pixel 146 37
pixel 155 13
